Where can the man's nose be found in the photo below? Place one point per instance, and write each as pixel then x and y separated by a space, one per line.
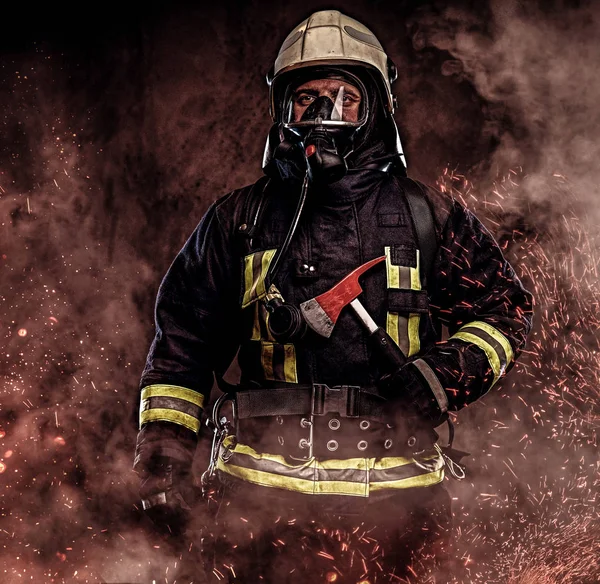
pixel 320 108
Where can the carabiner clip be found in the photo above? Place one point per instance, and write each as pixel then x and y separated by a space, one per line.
pixel 221 428
pixel 456 470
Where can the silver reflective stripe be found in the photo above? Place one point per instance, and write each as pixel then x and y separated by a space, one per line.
pixel 434 384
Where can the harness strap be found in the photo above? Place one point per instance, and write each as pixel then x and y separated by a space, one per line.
pixel 348 401
pixel 422 219
pixel 253 210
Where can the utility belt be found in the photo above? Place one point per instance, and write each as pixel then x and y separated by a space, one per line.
pixel 316 420
pixel 317 399
pixel 318 439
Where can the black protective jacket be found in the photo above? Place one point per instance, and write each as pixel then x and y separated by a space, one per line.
pixel 210 304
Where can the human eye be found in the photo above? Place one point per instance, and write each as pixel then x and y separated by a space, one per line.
pixel 304 99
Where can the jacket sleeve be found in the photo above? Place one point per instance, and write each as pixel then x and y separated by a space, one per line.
pixel 197 323
pixel 475 292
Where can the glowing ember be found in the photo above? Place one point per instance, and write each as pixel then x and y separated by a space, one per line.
pixel 331 577
pixel 2 467
pixel 8 454
pixel 53 319
pixel 22 332
pixel 60 441
pixel 2 433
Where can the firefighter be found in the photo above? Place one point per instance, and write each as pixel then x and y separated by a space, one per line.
pixel 337 404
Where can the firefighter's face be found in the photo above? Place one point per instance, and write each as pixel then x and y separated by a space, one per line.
pixel 340 92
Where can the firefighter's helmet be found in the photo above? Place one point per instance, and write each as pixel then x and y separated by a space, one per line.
pixel 330 40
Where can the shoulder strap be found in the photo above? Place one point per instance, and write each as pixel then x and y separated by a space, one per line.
pixel 422 219
pixel 252 210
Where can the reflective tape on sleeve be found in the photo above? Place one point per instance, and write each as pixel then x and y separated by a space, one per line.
pixel 495 334
pixel 165 415
pixel 491 341
pixel 171 403
pixel 176 391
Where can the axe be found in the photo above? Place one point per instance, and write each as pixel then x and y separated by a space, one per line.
pixel 321 313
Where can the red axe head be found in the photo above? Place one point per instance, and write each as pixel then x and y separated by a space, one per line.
pixel 321 313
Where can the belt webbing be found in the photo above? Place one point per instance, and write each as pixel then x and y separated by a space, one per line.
pixel 347 401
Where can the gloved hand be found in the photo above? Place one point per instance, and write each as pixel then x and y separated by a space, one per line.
pixel 411 395
pixel 168 495
pixel 163 461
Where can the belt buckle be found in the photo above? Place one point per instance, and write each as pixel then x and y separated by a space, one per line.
pixel 340 399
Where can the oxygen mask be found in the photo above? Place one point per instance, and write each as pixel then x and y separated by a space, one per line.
pixel 323 116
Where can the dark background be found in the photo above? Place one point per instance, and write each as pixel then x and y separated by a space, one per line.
pixel 121 122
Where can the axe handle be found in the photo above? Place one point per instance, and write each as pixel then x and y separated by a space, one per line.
pixel 388 348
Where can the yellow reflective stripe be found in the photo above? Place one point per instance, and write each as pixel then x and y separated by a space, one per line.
pixel 392 327
pixel 266 359
pixel 265 262
pixel 384 463
pixel 424 480
pixel 183 393
pixel 490 352
pixel 279 371
pixel 414 319
pixel 410 341
pixel 496 335
pixel 389 462
pixel 355 489
pixel 248 279
pixel 254 283
pixel 414 340
pixel 393 272
pixel 260 325
pixel 164 415
pixel 230 442
pixel 267 479
pixel 432 463
pixel 289 364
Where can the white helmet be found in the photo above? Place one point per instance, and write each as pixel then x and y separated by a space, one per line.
pixel 331 39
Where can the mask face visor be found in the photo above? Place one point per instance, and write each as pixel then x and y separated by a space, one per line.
pixel 332 102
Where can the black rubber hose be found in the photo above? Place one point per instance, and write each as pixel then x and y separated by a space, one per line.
pixel 275 264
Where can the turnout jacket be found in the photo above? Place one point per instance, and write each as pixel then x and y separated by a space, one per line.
pixel 210 306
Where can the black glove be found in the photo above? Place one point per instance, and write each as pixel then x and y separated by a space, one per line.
pixel 412 396
pixel 163 461
pixel 168 495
